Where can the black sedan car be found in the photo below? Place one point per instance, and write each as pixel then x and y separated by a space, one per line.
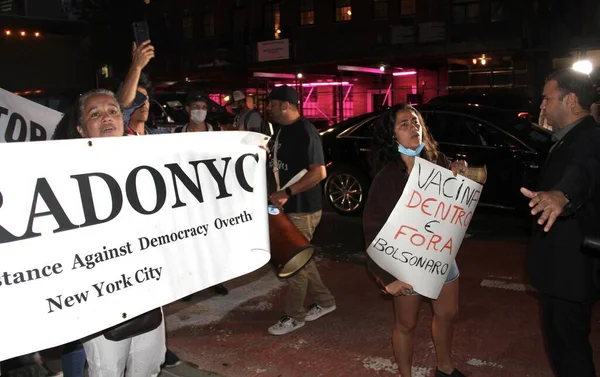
pixel 512 101
pixel 511 148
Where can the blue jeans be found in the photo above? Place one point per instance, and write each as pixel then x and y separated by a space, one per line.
pixel 73 360
pixel 452 275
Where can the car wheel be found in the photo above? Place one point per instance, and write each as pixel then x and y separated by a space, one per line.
pixel 346 191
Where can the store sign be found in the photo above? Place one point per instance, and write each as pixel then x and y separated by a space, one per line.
pixel 273 50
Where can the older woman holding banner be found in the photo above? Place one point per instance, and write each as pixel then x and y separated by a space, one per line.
pixel 400 136
pixel 98 115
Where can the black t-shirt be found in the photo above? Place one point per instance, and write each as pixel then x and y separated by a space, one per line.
pixel 299 145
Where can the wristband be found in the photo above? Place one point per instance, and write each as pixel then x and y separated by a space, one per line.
pixel 288 191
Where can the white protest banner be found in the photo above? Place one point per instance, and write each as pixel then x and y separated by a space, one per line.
pixel 421 238
pixel 25 120
pixel 97 231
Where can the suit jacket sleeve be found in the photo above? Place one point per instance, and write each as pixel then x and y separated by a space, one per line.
pixel 580 180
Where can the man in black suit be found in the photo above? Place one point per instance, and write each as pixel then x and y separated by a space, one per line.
pixel 566 201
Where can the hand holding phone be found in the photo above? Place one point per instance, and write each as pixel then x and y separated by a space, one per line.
pixel 141 32
pixel 142 54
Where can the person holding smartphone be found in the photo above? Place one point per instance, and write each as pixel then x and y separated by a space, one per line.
pixel 134 93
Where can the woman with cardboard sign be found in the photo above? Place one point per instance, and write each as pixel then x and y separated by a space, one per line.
pixel 399 136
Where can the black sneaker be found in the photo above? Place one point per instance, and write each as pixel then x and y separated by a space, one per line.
pixel 171 360
pixel 220 290
pixel 455 373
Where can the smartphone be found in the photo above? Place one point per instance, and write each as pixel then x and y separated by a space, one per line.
pixel 140 32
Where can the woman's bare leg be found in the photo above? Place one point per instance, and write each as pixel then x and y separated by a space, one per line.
pixel 406 314
pixel 445 312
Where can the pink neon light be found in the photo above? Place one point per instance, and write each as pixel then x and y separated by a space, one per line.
pixel 308 95
pixel 387 95
pixel 347 93
pixel 406 73
pixel 274 75
pixel 313 84
pixel 351 68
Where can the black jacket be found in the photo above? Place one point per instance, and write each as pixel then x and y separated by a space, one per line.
pixel 557 264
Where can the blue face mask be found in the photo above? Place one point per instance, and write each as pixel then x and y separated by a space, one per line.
pixel 410 152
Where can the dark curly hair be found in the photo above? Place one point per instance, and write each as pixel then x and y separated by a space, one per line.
pixel 67 127
pixel 385 147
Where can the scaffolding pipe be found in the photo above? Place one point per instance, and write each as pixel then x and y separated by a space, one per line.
pixel 308 96
pixel 347 93
pixel 386 95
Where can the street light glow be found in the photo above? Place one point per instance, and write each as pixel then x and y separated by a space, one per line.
pixel 583 66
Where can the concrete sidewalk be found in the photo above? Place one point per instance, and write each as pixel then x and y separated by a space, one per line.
pixel 498 332
pixel 184 369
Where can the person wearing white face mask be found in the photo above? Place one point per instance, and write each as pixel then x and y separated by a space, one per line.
pixel 197 107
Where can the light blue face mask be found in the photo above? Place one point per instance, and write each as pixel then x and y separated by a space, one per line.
pixel 411 152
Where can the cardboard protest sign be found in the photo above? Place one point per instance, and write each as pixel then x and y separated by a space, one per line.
pixel 421 238
pixel 25 120
pixel 97 231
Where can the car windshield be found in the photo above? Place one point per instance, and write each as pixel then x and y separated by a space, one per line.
pixel 346 123
pixel 531 134
pixel 504 101
pixel 176 111
pixel 174 104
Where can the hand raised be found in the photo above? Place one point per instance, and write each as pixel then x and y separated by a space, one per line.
pixel 141 55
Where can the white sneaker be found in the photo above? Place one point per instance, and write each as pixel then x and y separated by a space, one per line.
pixel 316 311
pixel 285 325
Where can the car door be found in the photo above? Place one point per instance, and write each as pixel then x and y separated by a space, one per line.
pixel 349 174
pixel 464 137
pixel 521 161
pixel 361 137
